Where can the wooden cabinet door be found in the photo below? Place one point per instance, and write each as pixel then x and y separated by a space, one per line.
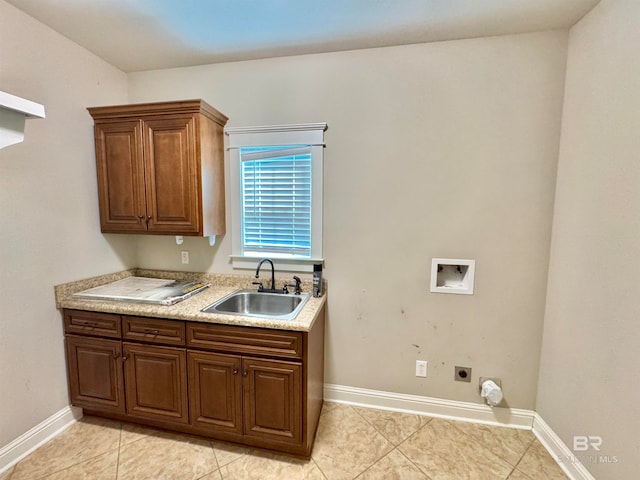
pixel 172 175
pixel 94 366
pixel 272 399
pixel 215 391
pixel 120 169
pixel 156 382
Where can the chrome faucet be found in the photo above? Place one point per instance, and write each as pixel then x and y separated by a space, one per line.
pixel 273 276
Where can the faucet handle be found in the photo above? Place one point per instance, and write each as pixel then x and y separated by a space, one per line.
pixel 296 285
pixel 260 286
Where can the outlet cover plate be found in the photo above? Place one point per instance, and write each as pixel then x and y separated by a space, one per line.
pixel 421 368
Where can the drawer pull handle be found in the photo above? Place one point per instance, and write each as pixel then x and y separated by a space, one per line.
pixel 151 331
pixel 89 324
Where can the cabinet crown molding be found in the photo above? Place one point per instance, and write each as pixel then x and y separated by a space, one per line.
pixel 159 108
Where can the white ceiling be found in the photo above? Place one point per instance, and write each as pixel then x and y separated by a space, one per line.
pixel 139 35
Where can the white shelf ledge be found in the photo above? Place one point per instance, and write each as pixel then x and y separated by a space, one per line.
pixel 14 111
pixel 21 105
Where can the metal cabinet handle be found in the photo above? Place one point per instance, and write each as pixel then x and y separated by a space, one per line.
pixel 124 357
pixel 151 331
pixel 235 371
pixel 245 373
pixel 89 324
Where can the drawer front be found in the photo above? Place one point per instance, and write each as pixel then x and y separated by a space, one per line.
pixel 153 330
pixel 245 340
pixel 92 323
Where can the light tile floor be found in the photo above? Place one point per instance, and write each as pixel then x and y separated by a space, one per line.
pixel 352 443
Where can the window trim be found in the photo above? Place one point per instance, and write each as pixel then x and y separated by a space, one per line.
pixel 311 134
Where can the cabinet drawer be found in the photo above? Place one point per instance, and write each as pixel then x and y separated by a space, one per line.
pixel 245 340
pixel 92 323
pixel 153 330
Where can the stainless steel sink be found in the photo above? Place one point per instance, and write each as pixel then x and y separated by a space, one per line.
pixel 249 303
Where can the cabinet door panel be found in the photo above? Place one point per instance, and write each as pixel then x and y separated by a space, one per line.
pixel 172 175
pixel 215 391
pixel 120 172
pixel 156 382
pixel 273 399
pixel 95 373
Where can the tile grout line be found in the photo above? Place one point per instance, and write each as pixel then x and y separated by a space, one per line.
pixel 520 461
pixel 412 463
pixel 314 446
pixel 383 435
pixel 353 410
pixel 119 447
pixel 478 442
pixel 406 440
pixel 522 456
pixel 44 476
pixel 318 467
pixel 379 433
pixel 473 440
pixel 395 447
pixel 215 457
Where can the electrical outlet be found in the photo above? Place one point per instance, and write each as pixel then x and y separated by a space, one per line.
pixel 462 374
pixel 184 255
pixel 421 368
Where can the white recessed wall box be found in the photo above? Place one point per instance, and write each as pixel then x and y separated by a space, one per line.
pixel 452 275
pixel 14 111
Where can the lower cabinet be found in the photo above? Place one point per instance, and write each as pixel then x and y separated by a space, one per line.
pixel 272 399
pixel 94 368
pixel 215 391
pixel 224 382
pixel 156 382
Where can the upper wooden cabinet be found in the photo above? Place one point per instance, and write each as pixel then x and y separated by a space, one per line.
pixel 160 168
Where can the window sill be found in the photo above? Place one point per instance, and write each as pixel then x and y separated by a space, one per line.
pixel 298 265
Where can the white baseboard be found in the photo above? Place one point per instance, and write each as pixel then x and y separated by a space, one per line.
pixel 466 412
pixel 434 407
pixel 559 451
pixel 26 443
pixel 448 409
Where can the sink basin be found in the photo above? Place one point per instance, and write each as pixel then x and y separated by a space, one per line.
pixel 249 303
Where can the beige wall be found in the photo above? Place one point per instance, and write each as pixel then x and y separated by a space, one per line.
pixel 443 149
pixel 435 150
pixel 589 366
pixel 49 230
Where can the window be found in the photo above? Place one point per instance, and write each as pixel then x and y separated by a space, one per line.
pixel 275 185
pixel 276 195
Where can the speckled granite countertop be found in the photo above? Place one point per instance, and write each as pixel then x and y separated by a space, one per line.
pixel 188 309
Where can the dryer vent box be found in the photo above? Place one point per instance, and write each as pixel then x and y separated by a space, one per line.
pixel 450 275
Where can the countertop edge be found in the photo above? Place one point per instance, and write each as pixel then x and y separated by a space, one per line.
pixel 189 309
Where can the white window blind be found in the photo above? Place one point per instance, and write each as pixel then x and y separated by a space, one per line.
pixel 276 200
